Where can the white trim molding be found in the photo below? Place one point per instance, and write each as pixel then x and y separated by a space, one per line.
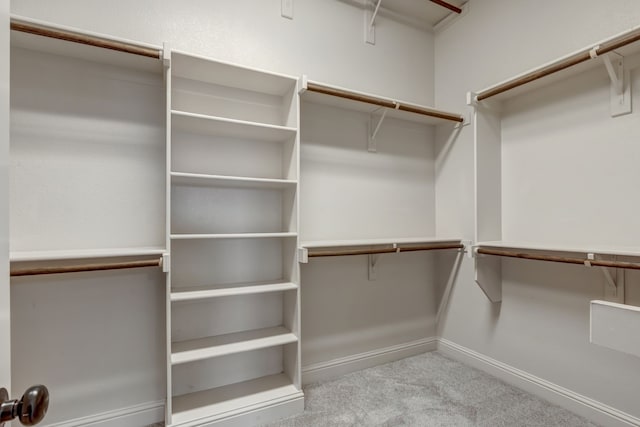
pixel 334 368
pixel 577 403
pixel 132 416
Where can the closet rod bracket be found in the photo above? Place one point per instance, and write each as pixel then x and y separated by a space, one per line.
pixel 613 281
pixel 165 262
pixel 375 127
pixel 303 255
pixel 166 55
pixel 620 84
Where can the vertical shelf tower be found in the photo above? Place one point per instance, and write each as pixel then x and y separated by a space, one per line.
pixel 233 303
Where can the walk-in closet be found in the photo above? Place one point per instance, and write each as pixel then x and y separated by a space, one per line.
pixel 302 212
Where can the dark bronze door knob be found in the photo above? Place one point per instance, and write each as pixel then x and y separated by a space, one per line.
pixel 29 410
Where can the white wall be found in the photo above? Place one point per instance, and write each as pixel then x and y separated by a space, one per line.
pixel 552 138
pixel 324 40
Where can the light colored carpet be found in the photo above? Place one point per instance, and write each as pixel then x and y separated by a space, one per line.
pixel 425 390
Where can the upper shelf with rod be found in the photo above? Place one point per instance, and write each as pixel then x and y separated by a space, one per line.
pixel 321 93
pixel 326 248
pixel 489 253
pixel 42 36
pixel 619 46
pixel 519 247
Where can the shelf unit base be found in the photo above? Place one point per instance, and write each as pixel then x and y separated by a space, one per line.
pixel 252 402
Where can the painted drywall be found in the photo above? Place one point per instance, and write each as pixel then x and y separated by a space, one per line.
pixel 5 325
pixel 556 143
pixel 324 39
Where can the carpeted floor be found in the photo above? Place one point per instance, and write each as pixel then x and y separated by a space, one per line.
pixel 425 390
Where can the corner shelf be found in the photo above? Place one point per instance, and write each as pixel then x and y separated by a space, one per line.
pixel 233 128
pixel 222 345
pixel 627 251
pixel 582 60
pixel 200 293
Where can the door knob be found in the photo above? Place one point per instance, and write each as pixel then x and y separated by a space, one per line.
pixel 30 409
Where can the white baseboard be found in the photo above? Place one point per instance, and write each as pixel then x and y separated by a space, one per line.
pixel 132 416
pixel 344 365
pixel 581 405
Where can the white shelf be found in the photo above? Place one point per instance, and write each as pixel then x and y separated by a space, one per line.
pixel 82 51
pixel 373 242
pixel 220 126
pixel 24 256
pixel 225 401
pixel 191 294
pixel 563 73
pixel 222 345
pixel 232 236
pixel 194 179
pixel 365 107
pixel 601 250
pixel 203 69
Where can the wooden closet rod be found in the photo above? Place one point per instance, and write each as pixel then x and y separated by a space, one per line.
pixel 85 39
pixel 345 252
pixel 567 62
pixel 314 87
pixel 447 5
pixel 86 267
pixel 565 260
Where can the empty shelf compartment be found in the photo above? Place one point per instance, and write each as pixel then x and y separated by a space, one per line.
pixel 222 345
pixel 234 398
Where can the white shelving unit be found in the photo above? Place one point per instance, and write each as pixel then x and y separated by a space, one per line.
pixel 541 141
pixel 233 294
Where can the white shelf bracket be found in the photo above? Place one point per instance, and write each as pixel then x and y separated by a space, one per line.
pixel 372 262
pixel 166 262
pixel 302 84
pixel 303 255
pixel 373 131
pixel 613 286
pixel 166 55
pixel 370 22
pixel 609 280
pixel 472 99
pixel 488 275
pixel 469 249
pixel 620 84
